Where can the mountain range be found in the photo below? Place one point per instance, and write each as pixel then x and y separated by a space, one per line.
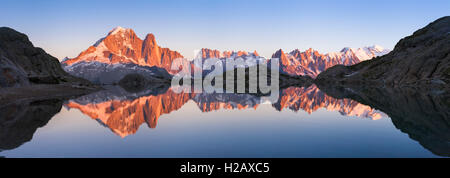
pixel 311 62
pixel 122 52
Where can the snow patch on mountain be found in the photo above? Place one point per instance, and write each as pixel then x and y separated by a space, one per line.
pixel 311 62
pixel 102 73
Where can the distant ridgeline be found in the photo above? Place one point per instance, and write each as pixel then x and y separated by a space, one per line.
pixel 122 52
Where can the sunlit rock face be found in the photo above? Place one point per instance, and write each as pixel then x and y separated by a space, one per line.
pixel 125 112
pixel 120 53
pixel 311 62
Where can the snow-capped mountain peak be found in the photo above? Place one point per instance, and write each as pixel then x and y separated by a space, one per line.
pixel 366 53
pixel 311 62
pixel 377 48
pixel 118 29
pixel 122 47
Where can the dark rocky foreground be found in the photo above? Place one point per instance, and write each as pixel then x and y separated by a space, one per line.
pixel 27 72
pixel 425 117
pixel 421 60
pixel 23 64
pixel 135 83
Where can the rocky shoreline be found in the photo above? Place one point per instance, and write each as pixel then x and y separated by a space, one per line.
pixel 43 92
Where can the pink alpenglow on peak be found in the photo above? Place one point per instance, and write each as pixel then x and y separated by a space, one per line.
pixel 121 53
pixel 123 46
pixel 311 62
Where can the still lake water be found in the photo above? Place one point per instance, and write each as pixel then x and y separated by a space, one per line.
pixel 305 122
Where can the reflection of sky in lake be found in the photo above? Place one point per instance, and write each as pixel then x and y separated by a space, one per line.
pixel 260 132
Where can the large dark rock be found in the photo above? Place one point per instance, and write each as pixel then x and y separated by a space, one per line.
pixel 425 117
pixel 23 64
pixel 420 60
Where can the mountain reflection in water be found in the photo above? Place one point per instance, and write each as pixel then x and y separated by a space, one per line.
pixel 425 118
pixel 124 114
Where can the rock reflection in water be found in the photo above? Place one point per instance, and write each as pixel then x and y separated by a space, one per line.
pixel 424 116
pixel 19 121
pixel 124 112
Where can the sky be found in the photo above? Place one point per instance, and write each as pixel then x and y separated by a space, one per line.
pixel 66 28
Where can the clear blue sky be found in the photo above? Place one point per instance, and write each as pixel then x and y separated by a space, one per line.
pixel 65 28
